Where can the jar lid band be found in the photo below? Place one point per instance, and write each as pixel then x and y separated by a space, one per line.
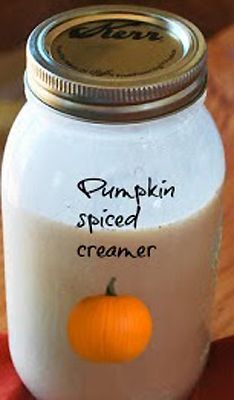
pixel 116 63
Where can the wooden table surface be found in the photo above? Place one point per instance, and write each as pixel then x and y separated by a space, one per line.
pixel 221 104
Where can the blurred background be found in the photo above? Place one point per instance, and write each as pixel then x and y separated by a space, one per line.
pixel 19 17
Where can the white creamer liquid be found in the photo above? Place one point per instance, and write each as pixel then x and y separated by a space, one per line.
pixel 46 156
pixel 47 279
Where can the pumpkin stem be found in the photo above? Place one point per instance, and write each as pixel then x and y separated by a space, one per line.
pixel 110 290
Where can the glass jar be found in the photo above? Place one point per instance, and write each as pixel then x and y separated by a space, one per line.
pixel 112 209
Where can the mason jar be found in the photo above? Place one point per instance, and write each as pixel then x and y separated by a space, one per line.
pixel 112 208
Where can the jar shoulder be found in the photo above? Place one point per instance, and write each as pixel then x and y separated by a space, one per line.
pixel 44 138
pixel 48 154
pixel 33 121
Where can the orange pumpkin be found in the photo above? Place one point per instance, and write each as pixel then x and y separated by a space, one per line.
pixel 110 328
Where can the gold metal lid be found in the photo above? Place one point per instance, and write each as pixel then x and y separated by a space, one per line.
pixel 116 63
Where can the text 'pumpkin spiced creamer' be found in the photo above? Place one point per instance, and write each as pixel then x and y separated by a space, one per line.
pixel 112 211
